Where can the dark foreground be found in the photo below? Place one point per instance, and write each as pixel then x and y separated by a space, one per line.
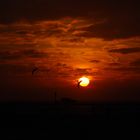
pixel 49 121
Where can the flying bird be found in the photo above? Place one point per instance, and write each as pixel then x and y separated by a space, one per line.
pixel 78 85
pixel 34 70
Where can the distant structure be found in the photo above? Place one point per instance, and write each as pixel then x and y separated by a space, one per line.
pixel 68 101
pixel 55 97
pixel 34 70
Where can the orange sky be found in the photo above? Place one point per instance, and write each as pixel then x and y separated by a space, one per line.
pixel 64 49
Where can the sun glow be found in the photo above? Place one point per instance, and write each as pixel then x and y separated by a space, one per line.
pixel 84 81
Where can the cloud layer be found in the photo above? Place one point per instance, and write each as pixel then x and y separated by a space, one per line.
pixel 64 46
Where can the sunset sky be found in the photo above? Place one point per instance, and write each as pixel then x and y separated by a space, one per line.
pixel 68 39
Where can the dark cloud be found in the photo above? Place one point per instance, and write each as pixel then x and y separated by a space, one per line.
pixel 42 9
pixel 114 29
pixel 95 61
pixel 13 55
pixel 14 69
pixel 39 9
pixel 61 65
pixel 125 50
pixel 34 53
pixel 39 32
pixel 8 55
pixel 122 17
pixel 114 64
pixel 125 69
pixel 135 63
pixel 81 71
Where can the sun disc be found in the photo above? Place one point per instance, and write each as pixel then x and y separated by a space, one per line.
pixel 84 81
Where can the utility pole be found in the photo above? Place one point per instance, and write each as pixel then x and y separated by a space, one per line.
pixel 55 97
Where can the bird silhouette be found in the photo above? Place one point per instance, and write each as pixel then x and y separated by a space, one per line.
pixel 34 70
pixel 78 85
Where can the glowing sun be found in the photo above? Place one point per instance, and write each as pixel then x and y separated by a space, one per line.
pixel 84 81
